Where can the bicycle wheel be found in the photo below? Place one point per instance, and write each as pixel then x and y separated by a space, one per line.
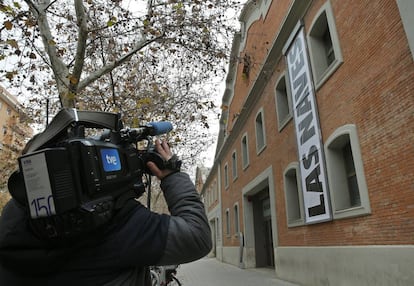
pixel 155 278
pixel 174 281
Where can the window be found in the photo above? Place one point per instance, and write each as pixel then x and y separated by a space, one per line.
pixel 347 185
pixel 406 8
pixel 4 130
pixel 327 44
pixel 293 196
pixel 227 222
pixel 209 197
pixel 218 231
pixel 215 190
pixel 245 151
pixel 226 176
pixel 8 110
pixel 354 198
pixel 260 132
pixel 236 219
pixel 325 52
pixel 284 112
pixel 234 164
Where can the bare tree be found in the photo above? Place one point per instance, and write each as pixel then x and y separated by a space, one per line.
pixel 152 62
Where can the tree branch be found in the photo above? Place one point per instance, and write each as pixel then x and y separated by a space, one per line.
pixel 59 69
pixel 81 45
pixel 109 67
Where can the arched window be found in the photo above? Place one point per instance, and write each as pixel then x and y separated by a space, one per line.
pixel 347 185
pixel 325 52
pixel 260 132
pixel 284 111
pixel 245 151
pixel 293 196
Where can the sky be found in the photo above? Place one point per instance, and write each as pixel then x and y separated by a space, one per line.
pixel 208 157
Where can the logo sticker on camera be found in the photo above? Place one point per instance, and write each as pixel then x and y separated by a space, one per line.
pixel 110 160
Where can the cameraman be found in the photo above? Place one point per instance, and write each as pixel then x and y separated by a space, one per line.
pixel 120 253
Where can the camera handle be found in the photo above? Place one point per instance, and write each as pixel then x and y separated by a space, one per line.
pixel 152 155
pixel 149 192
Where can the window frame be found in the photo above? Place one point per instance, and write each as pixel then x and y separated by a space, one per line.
pixel 261 132
pixel 226 176
pixel 215 190
pixel 236 222
pixel 337 174
pixel 289 203
pixel 321 71
pixel 282 121
pixel 228 229
pixel 234 165
pixel 245 151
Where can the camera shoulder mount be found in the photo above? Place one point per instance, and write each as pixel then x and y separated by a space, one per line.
pixel 71 184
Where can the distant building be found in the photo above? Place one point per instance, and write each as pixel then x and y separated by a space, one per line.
pixel 201 176
pixel 14 133
pixel 207 186
pixel 314 168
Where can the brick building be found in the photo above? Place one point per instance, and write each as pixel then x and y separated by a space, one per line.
pixel 14 133
pixel 314 168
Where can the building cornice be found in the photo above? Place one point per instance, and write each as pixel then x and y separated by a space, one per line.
pixel 9 99
pixel 295 13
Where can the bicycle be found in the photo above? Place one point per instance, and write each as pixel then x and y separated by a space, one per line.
pixel 164 275
pixel 161 275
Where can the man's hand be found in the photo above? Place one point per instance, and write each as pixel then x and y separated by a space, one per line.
pixel 164 150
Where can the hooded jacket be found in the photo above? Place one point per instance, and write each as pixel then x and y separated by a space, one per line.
pixel 115 255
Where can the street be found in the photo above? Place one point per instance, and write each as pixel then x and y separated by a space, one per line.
pixel 210 271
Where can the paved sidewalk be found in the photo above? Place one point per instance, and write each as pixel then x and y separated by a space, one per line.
pixel 210 271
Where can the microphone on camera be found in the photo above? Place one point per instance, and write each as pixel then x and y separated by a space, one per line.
pixel 158 128
pixel 134 134
pixel 151 129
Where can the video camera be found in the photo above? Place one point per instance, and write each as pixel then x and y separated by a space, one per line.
pixel 70 183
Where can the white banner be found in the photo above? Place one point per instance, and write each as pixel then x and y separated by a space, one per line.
pixel 308 135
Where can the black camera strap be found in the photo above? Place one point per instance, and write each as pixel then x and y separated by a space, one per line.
pixel 57 129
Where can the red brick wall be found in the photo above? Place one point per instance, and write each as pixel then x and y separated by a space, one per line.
pixel 372 89
pixel 257 45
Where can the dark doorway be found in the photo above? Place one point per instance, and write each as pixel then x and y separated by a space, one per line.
pixel 263 229
pixel 213 228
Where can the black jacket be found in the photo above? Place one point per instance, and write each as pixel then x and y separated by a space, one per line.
pixel 115 256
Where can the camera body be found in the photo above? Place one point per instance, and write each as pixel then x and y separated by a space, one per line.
pixel 71 184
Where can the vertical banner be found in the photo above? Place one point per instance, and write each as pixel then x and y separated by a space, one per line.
pixel 308 133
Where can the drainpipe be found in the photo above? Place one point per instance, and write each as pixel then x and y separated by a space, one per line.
pixel 241 248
